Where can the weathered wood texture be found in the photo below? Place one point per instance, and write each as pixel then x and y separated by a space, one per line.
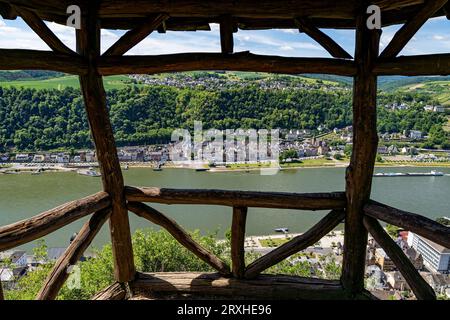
pixel 41 29
pixel 238 241
pixel 365 142
pixel 301 242
pixel 226 34
pixel 136 35
pixel 24 231
pixel 281 200
pixel 115 291
pixel 416 223
pixel 321 38
pixel 405 34
pixel 88 45
pixel 417 284
pixel 180 235
pixel 264 287
pixel 61 271
pixel 422 65
pixel 19 59
pixel 243 61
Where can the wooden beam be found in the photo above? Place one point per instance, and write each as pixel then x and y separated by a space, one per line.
pixel 2 297
pixel 226 34
pixel 136 35
pixel 409 29
pixel 19 59
pixel 7 12
pixel 180 235
pixel 238 241
pixel 41 29
pixel 422 65
pixel 271 287
pixel 321 38
pixel 25 231
pixel 60 272
pixel 257 199
pixel 243 61
pixel 418 285
pixel 447 10
pixel 299 243
pixel 88 44
pixel 416 223
pixel 365 141
pixel 116 291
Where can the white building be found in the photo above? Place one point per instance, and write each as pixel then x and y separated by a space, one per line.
pixel 415 134
pixel 435 257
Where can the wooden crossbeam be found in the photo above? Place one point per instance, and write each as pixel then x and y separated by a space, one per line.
pixel 238 241
pixel 7 12
pixel 60 272
pixel 24 231
pixel 232 198
pixel 418 285
pixel 41 29
pixel 243 61
pixel 299 243
pixel 136 35
pixel 421 65
pixel 416 223
pixel 180 235
pixel 226 34
pixel 409 29
pixel 320 37
pixel 19 59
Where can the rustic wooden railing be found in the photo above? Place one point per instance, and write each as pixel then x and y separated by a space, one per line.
pixel 245 276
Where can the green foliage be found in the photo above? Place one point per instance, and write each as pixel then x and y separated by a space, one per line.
pixel 392 230
pixel 288 154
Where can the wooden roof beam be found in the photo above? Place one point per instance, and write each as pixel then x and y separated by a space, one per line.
pixel 409 29
pixel 7 12
pixel 447 10
pixel 227 27
pixel 243 61
pixel 320 37
pixel 136 35
pixel 41 29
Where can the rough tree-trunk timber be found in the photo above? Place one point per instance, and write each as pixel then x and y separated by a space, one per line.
pixel 416 223
pixel 409 29
pixel 180 235
pixel 88 45
pixel 243 61
pixel 321 38
pixel 41 29
pixel 365 142
pixel 226 34
pixel 279 200
pixel 417 284
pixel 301 242
pixel 238 240
pixel 72 255
pixel 24 231
pixel 136 35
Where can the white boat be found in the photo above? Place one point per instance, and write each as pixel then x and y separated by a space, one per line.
pixel 90 173
pixel 284 230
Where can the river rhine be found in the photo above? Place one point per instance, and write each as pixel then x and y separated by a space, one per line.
pixel 24 195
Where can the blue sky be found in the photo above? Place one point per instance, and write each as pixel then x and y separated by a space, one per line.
pixel 434 37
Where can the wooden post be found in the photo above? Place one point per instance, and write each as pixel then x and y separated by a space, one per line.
pixel 365 142
pixel 1 292
pixel 226 34
pixel 88 45
pixel 237 241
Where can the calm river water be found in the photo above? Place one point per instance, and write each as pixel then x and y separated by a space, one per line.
pixel 24 195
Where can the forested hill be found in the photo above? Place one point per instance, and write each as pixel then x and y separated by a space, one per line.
pixel 49 119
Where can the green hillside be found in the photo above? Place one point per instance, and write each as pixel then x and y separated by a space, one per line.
pixel 439 89
pixel 60 83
